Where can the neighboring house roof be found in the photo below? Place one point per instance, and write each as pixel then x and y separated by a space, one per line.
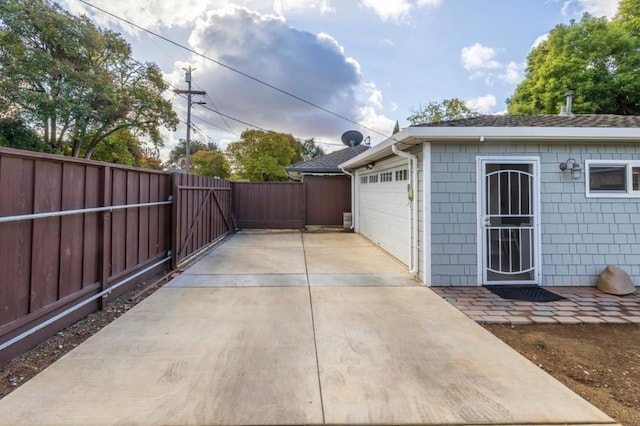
pixel 605 128
pixel 327 163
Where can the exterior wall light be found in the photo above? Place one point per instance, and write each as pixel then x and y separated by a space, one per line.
pixel 575 170
pixel 370 165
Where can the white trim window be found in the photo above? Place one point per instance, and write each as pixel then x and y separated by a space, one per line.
pixel 386 177
pixel 401 174
pixel 612 178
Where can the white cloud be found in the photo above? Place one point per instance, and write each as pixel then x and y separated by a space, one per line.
pixel 312 67
pixel 482 104
pixel 387 10
pixel 481 63
pixel 373 120
pixel 539 40
pixel 606 8
pixel 478 56
pixel 375 95
pixel 397 10
pixel 283 6
pixel 393 107
pixel 154 14
pixel 512 73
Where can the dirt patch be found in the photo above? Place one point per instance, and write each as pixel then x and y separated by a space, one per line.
pixel 600 362
pixel 20 369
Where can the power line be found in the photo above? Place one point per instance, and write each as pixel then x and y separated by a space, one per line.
pixel 257 80
pixel 216 107
pixel 229 130
pixel 233 118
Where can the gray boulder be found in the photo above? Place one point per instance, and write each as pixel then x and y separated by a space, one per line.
pixel 614 280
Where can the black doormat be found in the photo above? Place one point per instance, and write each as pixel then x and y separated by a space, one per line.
pixel 527 294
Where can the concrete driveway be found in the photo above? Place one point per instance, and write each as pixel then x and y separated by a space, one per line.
pixel 294 328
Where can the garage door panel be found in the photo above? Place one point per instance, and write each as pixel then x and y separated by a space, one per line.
pixel 384 214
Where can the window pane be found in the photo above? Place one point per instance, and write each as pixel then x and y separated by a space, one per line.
pixel 635 175
pixel 607 178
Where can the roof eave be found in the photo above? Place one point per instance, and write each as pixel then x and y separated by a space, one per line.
pixel 325 170
pixel 417 135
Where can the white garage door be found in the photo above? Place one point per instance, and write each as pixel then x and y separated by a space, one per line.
pixel 384 211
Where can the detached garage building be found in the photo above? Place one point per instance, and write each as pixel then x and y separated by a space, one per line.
pixel 540 200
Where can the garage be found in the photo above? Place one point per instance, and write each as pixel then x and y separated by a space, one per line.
pixel 384 211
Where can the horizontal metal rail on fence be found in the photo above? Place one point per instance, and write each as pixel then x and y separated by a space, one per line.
pixel 215 188
pixel 80 305
pixel 32 216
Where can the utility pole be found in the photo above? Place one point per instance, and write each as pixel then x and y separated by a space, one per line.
pixel 189 92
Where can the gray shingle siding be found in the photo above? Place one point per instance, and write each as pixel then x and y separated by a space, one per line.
pixel 579 235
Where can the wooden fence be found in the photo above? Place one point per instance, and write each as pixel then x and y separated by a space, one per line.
pixel 327 198
pixel 317 201
pixel 74 233
pixel 268 205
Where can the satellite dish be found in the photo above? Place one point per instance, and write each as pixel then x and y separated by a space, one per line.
pixel 352 138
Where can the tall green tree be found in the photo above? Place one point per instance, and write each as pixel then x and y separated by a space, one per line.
pixel 15 134
pixel 596 58
pixel 74 81
pixel 629 15
pixel 178 155
pixel 448 109
pixel 206 159
pixel 261 156
pixel 210 162
pixel 310 149
pixel 120 147
pixel 123 147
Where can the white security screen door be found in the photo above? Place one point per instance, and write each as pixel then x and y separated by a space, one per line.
pixel 509 221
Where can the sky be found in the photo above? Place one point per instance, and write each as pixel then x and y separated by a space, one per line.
pixel 348 64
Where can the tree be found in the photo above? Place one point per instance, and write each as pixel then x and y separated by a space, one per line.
pixel 151 162
pixel 598 59
pixel 396 128
pixel 206 159
pixel 120 147
pixel 629 15
pixel 262 156
pixel 448 109
pixel 310 150
pixel 123 147
pixel 210 162
pixel 75 81
pixel 178 154
pixel 15 134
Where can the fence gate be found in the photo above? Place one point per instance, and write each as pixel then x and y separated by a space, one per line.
pixel 202 214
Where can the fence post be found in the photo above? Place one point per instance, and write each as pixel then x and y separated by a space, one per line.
pixel 105 234
pixel 175 208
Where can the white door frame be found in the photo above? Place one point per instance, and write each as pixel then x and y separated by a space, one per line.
pixel 481 161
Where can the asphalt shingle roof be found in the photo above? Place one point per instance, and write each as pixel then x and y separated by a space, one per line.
pixel 327 163
pixel 583 120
